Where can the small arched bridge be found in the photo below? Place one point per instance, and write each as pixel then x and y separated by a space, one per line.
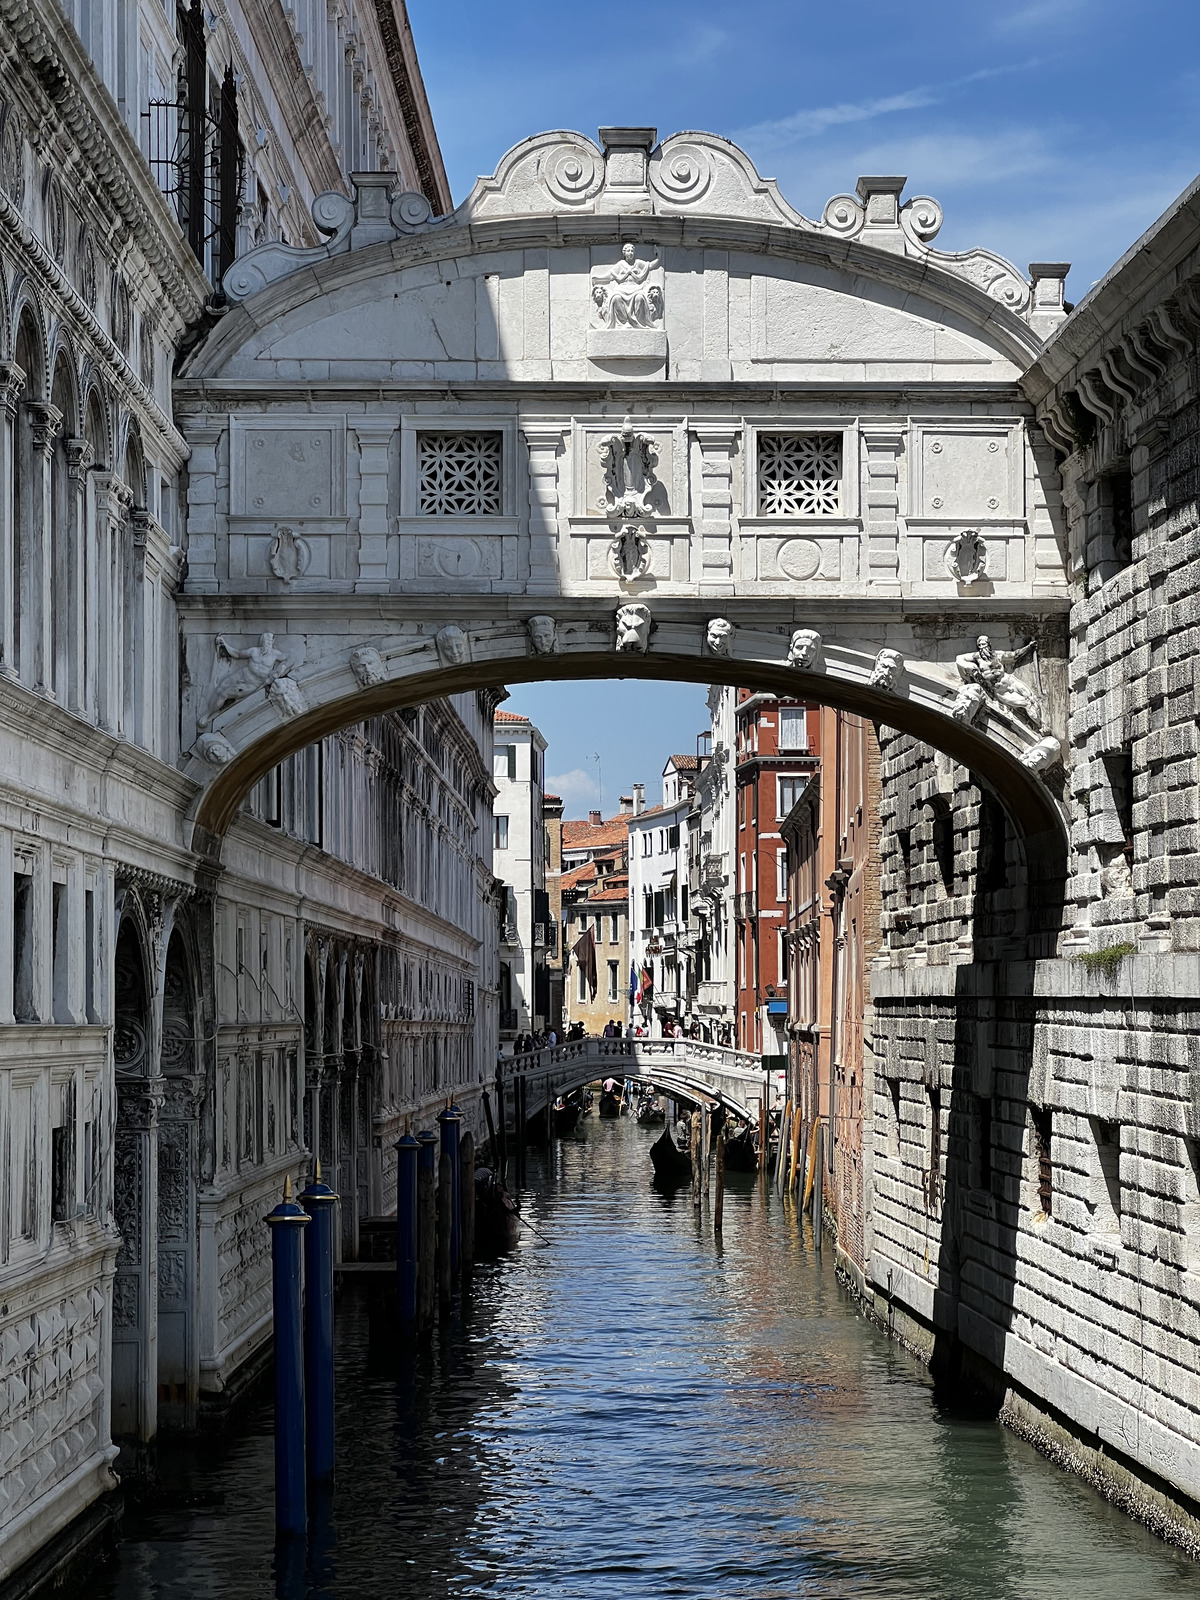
pixel 686 1069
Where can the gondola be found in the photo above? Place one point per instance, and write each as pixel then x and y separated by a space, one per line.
pixel 740 1154
pixel 671 1164
pixel 497 1224
pixel 566 1116
pixel 610 1104
pixel 651 1114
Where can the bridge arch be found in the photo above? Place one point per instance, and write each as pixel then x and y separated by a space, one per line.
pixel 562 433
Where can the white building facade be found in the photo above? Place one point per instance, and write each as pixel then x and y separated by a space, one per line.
pixel 174 1040
pixel 712 847
pixel 658 900
pixel 521 851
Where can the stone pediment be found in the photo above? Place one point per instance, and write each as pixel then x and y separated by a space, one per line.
pixel 628 176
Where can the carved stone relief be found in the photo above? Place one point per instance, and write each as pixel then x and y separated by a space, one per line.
pixel 805 648
pixel 541 630
pixel 286 695
pixel 629 553
pixel 453 646
pixel 367 667
pixel 889 664
pixel 633 628
pixel 289 555
pixel 627 308
pixel 1043 755
pixel 967 557
pixel 718 636
pixel 215 749
pixel 990 670
pixel 968 703
pixel 238 673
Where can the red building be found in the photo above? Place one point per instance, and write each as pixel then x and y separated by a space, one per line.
pixel 832 841
pixel 777 751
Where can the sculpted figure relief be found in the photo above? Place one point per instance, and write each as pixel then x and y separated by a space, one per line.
pixel 367 666
pixel 629 552
pixel 628 459
pixel 805 648
pixel 287 697
pixel 622 296
pixel 214 749
pixel 718 636
pixel 889 664
pixel 968 703
pixel 452 646
pixel 633 628
pixel 1043 755
pixel 289 555
pixel 541 630
pixel 966 557
pixel 238 673
pixel 991 670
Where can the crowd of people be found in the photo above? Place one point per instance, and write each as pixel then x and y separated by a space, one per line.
pixel 614 1029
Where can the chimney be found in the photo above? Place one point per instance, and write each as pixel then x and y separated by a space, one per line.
pixel 639 799
pixel 626 805
pixel 596 819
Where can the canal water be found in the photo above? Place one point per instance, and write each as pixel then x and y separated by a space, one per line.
pixel 628 1408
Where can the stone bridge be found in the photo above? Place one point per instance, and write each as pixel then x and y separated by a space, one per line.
pixel 686 1069
pixel 624 413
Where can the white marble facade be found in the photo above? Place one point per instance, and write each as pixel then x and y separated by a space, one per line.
pixel 156 1082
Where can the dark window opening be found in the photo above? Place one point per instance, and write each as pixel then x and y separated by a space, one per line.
pixel 933 1189
pixel 904 839
pixel 992 871
pixel 59 945
pixel 1107 1212
pixel 1117 501
pixel 943 847
pixel 23 1001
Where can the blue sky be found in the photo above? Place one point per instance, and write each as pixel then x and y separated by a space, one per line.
pixel 1049 130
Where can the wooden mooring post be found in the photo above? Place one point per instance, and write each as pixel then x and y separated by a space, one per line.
pixel 719 1202
pixel 695 1153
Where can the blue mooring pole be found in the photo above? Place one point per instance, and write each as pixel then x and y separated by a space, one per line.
pixel 321 1204
pixel 450 1122
pixel 287 1222
pixel 407 1152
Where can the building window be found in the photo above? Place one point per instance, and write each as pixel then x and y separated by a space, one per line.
pixel 615 936
pixel 793 728
pixel 613 979
pixel 1105 1200
pixel 647 844
pixel 787 791
pixel 458 475
pixel 943 847
pixel 933 1191
pixel 781 877
pixel 673 837
pixel 799 474
pixel 500 833
pixel 982 1139
pixel 581 986
pixel 504 761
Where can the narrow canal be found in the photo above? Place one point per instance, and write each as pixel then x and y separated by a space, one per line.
pixel 628 1409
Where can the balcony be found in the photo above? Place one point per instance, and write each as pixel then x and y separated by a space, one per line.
pixel 745 906
pixel 510 933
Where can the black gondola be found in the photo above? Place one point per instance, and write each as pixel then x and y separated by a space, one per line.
pixel 740 1154
pixel 610 1104
pixel 651 1113
pixel 671 1164
pixel 497 1224
pixel 566 1115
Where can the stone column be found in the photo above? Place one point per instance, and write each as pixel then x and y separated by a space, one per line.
pixel 79 459
pixel 713 517
pixel 374 436
pixel 882 443
pixel 37 582
pixel 112 502
pixel 202 509
pixel 138 624
pixel 544 441
pixel 135 1288
pixel 12 381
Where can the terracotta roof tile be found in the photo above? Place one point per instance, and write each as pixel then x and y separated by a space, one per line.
pixel 683 763
pixel 508 716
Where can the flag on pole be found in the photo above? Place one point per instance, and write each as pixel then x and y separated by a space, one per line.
pixel 645 986
pixel 633 983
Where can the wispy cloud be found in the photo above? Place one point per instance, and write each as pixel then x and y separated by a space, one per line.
pixel 1039 14
pixel 816 120
pixel 577 788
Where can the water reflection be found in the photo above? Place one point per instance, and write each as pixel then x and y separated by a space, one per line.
pixel 634 1410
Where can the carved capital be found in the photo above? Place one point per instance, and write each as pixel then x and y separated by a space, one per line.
pixel 12 381
pixel 80 456
pixel 113 498
pixel 44 421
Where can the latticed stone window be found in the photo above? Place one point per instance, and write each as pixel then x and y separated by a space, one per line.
pixel 458 474
pixel 799 474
